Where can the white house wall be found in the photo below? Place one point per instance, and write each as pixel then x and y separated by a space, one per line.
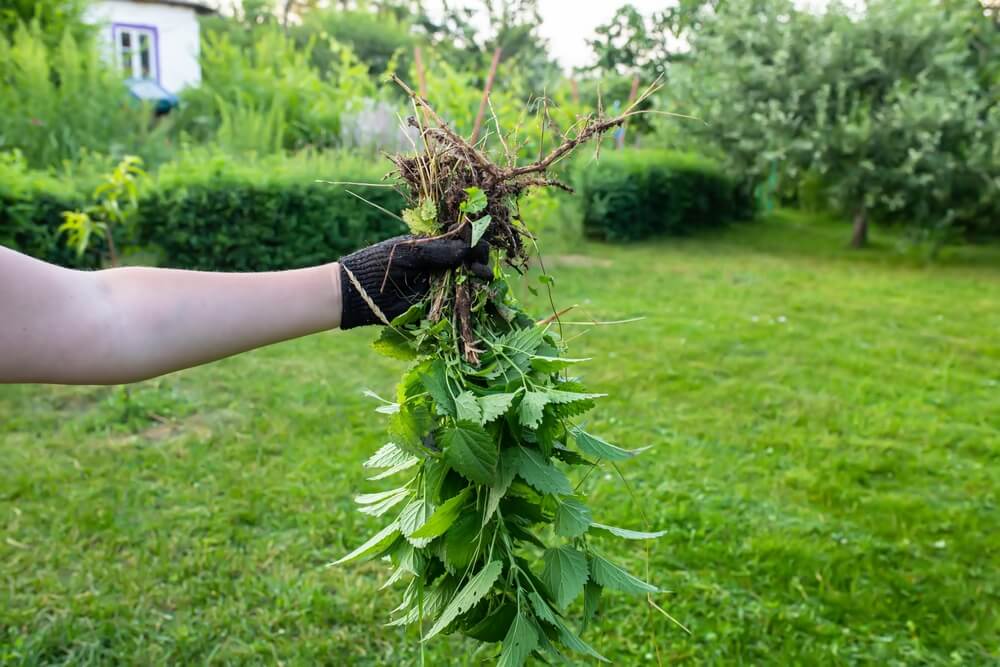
pixel 177 36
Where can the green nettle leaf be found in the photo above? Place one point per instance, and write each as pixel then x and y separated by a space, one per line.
pixel 436 383
pixel 443 517
pixel 388 456
pixel 591 601
pixel 572 518
pixel 542 608
pixel 475 201
pixel 545 364
pixel 521 640
pixel 391 343
pixel 506 470
pixel 375 545
pixel 413 516
pixel 570 639
pixel 474 591
pixel 539 473
pixel 562 397
pixel 400 467
pixel 598 448
pixel 609 575
pixel 467 408
pixel 629 534
pixel 479 228
pixel 494 405
pixel 461 542
pixel 377 504
pixel 565 574
pixel 530 413
pixel 470 451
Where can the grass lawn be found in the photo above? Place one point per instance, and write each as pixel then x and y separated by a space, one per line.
pixel 826 432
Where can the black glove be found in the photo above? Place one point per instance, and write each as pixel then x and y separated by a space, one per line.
pixel 408 280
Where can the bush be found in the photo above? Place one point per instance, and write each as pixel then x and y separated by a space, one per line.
pixel 31 206
pixel 635 194
pixel 227 214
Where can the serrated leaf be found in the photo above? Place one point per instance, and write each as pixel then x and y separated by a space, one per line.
pixel 494 405
pixel 391 343
pixel 506 469
pixel 374 498
pixel 479 228
pixel 470 451
pixel 539 473
pixel 572 641
pixel 609 575
pixel 475 200
pixel 598 448
pixel 443 517
pixel 388 409
pixel 629 534
pixel 413 516
pixel 436 383
pixel 474 591
pixel 434 601
pixel 375 544
pixel 387 456
pixel 377 504
pixel 399 467
pixel 542 608
pixel 521 640
pixel 530 412
pixel 565 574
pixel 546 364
pixel 591 601
pixel 572 518
pixel 461 542
pixel 561 397
pixel 494 627
pixel 467 408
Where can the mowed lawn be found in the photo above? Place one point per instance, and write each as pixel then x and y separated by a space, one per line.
pixel 826 463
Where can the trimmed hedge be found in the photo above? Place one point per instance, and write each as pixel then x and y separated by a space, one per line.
pixel 225 215
pixel 219 213
pixel 635 194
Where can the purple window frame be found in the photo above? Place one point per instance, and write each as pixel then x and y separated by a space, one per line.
pixel 116 30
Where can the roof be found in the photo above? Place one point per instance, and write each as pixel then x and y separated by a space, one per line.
pixel 198 7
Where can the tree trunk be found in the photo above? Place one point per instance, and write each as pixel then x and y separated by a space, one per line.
pixel 859 238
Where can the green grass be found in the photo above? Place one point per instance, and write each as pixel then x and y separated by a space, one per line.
pixel 826 431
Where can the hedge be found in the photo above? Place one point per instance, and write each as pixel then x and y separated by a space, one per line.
pixel 222 213
pixel 635 194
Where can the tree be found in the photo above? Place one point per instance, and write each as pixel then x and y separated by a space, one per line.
pixel 894 111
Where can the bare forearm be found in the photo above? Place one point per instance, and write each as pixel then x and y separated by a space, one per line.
pixel 129 324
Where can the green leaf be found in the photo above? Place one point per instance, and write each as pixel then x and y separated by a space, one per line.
pixel 572 518
pixel 553 364
pixel 389 455
pixel 479 228
pixel 377 504
pixel 412 315
pixel 596 447
pixel 470 450
pixel 436 382
pixel 629 534
pixel 413 517
pixel 474 591
pixel 591 601
pixel 565 574
pixel 521 640
pixel 539 473
pixel 443 517
pixel 461 542
pixel 530 412
pixel 572 641
pixel 399 467
pixel 542 608
pixel 375 545
pixel 494 405
pixel 391 343
pixel 467 407
pixel 475 200
pixel 494 627
pixel 559 396
pixel 609 575
pixel 506 469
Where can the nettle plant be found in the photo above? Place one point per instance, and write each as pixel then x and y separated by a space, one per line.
pixel 494 538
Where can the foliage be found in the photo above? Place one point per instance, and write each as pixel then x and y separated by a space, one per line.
pixel 896 110
pixel 269 96
pixel 634 194
pixel 223 213
pixel 54 18
pixel 813 518
pixel 115 203
pixel 484 441
pixel 61 100
pixel 379 40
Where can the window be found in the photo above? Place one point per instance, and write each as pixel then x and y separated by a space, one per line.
pixel 135 47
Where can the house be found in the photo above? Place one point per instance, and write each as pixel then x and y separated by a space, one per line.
pixel 153 41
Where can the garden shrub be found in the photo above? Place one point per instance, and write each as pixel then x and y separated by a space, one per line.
pixel 636 194
pixel 229 214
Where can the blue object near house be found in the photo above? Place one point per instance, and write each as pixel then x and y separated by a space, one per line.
pixel 147 90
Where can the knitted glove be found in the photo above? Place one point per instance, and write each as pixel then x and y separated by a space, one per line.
pixel 408 280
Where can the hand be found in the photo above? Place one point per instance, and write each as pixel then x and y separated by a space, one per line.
pixel 413 261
